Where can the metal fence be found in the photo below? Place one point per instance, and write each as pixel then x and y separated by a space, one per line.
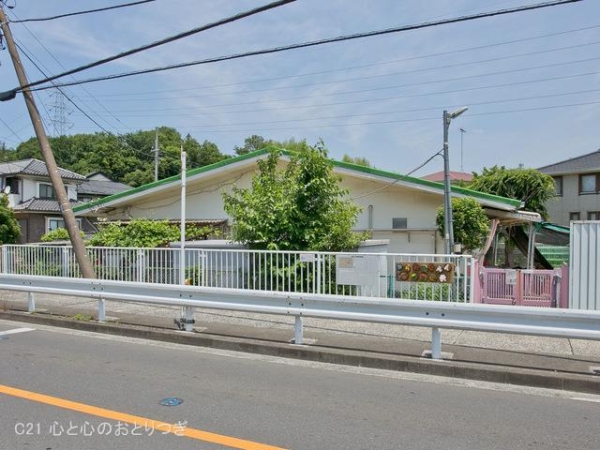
pixel 445 278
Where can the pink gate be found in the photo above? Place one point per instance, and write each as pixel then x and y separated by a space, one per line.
pixel 520 287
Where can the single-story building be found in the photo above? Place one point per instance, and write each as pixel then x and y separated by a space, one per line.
pixel 395 207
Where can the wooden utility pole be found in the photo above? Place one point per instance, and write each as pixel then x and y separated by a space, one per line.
pixel 57 183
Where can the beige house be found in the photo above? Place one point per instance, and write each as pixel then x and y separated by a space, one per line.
pixel 395 207
pixel 577 184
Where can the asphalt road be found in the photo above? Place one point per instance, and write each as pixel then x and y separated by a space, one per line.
pixel 65 389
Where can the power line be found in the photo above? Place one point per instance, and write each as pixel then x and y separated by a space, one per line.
pixel 312 43
pixel 62 91
pixel 387 98
pixel 42 19
pixel 420 119
pixel 60 64
pixel 345 69
pixel 356 91
pixel 391 183
pixel 162 42
pixel 430 108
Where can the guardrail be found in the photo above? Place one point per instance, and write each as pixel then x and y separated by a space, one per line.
pixel 505 319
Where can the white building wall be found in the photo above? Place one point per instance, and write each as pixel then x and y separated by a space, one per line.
pixel 204 201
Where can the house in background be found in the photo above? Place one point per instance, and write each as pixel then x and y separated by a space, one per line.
pixel 97 185
pixel 455 177
pixel 397 208
pixel 32 197
pixel 577 187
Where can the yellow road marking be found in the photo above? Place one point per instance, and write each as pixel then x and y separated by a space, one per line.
pixel 137 420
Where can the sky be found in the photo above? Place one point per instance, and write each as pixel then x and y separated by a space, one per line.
pixel 531 80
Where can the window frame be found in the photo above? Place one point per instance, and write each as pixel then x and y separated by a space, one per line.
pixel 573 214
pixel 593 215
pixel 596 177
pixel 60 219
pixel 558 185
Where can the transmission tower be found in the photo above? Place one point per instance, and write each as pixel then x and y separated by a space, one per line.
pixel 59 121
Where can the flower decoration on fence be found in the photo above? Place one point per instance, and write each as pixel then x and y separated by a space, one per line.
pixel 424 272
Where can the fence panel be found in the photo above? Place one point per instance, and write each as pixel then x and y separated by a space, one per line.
pixel 446 278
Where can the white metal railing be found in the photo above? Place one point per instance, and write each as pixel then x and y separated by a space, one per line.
pixel 436 315
pixel 447 278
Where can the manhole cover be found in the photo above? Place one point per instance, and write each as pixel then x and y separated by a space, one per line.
pixel 171 401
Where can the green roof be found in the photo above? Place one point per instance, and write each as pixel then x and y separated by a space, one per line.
pixel 340 164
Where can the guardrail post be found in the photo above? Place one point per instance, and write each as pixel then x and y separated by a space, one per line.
pixel 298 331
pixel 101 311
pixel 189 318
pixel 31 302
pixel 436 343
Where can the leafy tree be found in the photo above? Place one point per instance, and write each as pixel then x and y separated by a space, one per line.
pixel 9 226
pixel 147 233
pixel 59 234
pixel 251 144
pixel 300 207
pixel 127 158
pixel 470 223
pixel 528 185
pixel 138 233
pixel 357 160
pixel 204 154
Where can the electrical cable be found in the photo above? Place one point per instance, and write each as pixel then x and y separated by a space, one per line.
pixel 421 119
pixel 300 45
pixel 406 72
pixel 380 113
pixel 391 183
pixel 42 19
pixel 347 68
pixel 61 90
pixel 82 87
pixel 169 39
pixel 382 99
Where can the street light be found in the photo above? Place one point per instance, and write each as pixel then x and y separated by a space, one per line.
pixel 448 225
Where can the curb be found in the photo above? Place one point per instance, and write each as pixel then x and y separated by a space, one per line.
pixel 447 368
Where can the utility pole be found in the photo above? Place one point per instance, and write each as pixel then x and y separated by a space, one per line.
pixel 156 159
pixel 57 183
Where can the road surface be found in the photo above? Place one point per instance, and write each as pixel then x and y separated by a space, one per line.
pixel 66 389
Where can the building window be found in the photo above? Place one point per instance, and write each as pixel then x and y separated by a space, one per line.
pixel 558 186
pixel 58 222
pixel 13 184
pixel 46 191
pixel 574 216
pixel 588 184
pixel 593 215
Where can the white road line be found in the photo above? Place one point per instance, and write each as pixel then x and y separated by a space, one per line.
pixel 16 330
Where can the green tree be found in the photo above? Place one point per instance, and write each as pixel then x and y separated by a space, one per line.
pixel 470 223
pixel 528 185
pixel 9 226
pixel 356 160
pixel 300 207
pixel 251 144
